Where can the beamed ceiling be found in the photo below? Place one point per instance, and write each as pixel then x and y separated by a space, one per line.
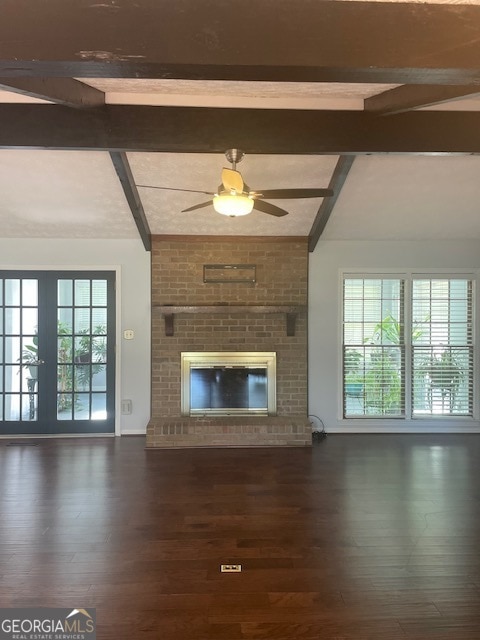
pixel 377 100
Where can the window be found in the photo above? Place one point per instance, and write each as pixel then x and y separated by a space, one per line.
pixel 433 316
pixel 373 337
pixel 442 347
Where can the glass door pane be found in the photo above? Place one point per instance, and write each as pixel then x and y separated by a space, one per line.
pixel 19 349
pixel 82 349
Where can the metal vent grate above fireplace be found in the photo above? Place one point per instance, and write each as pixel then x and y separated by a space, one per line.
pixel 233 383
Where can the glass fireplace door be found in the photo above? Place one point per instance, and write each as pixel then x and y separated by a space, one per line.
pixel 228 383
pixel 228 389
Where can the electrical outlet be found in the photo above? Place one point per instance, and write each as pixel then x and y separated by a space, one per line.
pixel 230 568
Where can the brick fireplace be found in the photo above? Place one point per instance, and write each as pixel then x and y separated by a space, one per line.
pixel 229 295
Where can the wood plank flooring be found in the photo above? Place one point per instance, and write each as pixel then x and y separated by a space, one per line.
pixel 358 538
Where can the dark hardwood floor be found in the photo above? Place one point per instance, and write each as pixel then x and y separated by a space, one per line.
pixel 360 537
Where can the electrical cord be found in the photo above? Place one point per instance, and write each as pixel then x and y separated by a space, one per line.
pixel 318 434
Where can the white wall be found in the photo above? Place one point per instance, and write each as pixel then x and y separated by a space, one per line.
pixel 132 263
pixel 327 262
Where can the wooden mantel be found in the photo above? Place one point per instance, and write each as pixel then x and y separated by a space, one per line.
pixel 290 311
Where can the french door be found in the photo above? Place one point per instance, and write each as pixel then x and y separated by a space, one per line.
pixel 57 352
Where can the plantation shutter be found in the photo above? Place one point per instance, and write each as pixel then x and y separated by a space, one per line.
pixel 442 347
pixel 373 347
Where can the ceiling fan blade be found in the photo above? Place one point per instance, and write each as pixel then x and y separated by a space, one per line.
pixel 150 186
pixel 271 209
pixel 198 206
pixel 295 193
pixel 232 180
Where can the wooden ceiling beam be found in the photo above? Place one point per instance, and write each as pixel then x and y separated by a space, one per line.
pixel 409 97
pixel 286 40
pixel 124 172
pixel 65 91
pixel 337 181
pixel 261 131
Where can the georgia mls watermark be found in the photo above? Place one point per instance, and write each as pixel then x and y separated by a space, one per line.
pixel 33 623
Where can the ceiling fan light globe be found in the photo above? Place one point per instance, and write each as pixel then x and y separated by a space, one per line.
pixel 233 205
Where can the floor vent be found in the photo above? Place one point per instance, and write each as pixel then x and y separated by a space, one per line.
pixel 230 568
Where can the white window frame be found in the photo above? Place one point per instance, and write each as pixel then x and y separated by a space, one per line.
pixel 419 424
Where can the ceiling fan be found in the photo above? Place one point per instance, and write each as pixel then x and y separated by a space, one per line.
pixel 235 198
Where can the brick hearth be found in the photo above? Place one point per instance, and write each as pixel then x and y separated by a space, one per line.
pixel 178 280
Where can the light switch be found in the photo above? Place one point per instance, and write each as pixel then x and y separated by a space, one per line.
pixel 128 334
pixel 126 407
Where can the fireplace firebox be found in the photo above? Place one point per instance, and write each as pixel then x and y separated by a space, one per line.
pixel 228 383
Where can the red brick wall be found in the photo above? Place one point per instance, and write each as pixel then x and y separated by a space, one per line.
pixel 177 279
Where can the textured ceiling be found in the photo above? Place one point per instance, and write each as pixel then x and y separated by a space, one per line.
pixel 62 194
pixel 77 194
pixel 217 93
pixel 408 198
pixel 203 171
pixel 239 88
pixel 67 194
